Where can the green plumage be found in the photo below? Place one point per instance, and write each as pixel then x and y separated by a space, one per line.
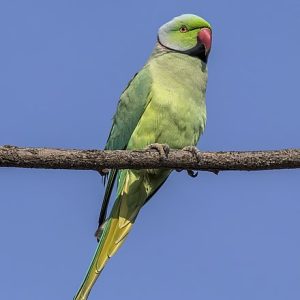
pixel 163 103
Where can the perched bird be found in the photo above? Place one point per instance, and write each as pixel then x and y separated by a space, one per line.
pixel 163 104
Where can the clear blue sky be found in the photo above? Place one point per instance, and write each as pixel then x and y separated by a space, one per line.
pixel 63 65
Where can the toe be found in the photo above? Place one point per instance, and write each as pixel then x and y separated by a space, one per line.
pixel 194 151
pixel 192 173
pixel 162 149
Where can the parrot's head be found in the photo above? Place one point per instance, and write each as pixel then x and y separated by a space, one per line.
pixel 188 34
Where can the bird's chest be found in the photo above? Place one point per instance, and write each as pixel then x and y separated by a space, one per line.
pixel 179 115
pixel 176 113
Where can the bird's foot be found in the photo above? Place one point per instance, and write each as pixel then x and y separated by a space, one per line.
pixel 162 149
pixel 195 153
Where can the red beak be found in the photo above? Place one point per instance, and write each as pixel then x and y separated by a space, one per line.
pixel 205 37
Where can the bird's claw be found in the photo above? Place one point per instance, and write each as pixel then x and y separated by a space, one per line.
pixel 162 149
pixel 216 172
pixel 192 173
pixel 104 172
pixel 194 151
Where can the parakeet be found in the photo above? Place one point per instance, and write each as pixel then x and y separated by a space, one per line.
pixel 164 103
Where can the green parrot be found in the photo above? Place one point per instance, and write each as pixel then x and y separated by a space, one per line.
pixel 164 103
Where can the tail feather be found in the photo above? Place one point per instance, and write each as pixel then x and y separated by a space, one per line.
pixel 111 240
pixel 133 191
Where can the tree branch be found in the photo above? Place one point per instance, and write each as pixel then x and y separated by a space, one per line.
pixel 46 158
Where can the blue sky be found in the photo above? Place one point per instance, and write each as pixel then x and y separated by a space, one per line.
pixel 63 65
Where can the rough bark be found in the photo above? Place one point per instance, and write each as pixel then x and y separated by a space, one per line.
pixel 46 158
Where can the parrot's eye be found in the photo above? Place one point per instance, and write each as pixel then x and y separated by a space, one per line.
pixel 183 29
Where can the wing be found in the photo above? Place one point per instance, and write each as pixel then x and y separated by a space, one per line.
pixel 131 106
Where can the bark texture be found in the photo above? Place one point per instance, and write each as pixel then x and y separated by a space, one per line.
pixel 46 158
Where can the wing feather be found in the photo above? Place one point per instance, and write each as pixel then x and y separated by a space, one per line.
pixel 131 107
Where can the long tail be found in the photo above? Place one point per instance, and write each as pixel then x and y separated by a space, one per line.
pixel 112 238
pixel 133 191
